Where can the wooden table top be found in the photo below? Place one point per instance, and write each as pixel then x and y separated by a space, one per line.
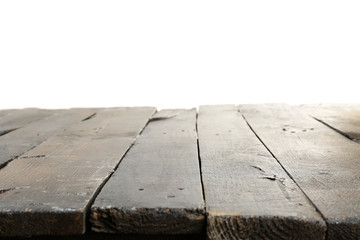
pixel 269 171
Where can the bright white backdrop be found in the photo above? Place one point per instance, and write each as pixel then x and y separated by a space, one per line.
pixel 59 54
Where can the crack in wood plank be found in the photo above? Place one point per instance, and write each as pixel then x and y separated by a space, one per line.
pixel 89 117
pixel 3 132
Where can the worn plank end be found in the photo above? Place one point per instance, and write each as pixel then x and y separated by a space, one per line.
pixel 148 220
pixel 60 222
pixel 346 228
pixel 263 227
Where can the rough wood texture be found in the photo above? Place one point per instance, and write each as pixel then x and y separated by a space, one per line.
pixel 109 236
pixel 47 191
pixel 157 187
pixel 15 143
pixel 11 120
pixel 248 195
pixel 344 118
pixel 323 163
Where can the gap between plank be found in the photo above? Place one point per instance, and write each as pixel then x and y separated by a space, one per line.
pixel 100 187
pixel 336 130
pixel 3 132
pixel 4 164
pixel 199 159
pixel 326 234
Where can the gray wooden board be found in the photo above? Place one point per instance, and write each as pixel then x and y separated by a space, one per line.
pixel 324 164
pixel 157 187
pixel 14 119
pixel 4 112
pixel 48 190
pixel 344 118
pixel 17 142
pixel 248 195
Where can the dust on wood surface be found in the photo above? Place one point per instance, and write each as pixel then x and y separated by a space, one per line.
pixel 48 190
pixel 157 187
pixel 248 194
pixel 323 163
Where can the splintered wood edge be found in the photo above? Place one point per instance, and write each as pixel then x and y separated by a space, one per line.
pixel 148 220
pixel 58 222
pixel 264 227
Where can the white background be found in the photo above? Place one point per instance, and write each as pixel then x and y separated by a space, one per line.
pixel 59 54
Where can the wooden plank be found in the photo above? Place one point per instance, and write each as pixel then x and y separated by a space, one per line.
pixel 323 163
pixel 14 119
pixel 248 195
pixel 343 118
pixel 89 235
pixel 4 112
pixel 157 187
pixel 15 143
pixel 48 190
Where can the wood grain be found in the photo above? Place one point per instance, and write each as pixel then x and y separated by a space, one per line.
pixel 157 187
pixel 343 118
pixel 15 143
pixel 49 189
pixel 11 120
pixel 109 236
pixel 248 195
pixel 323 163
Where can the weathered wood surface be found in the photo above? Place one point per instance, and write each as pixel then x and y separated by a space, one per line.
pixel 89 235
pixel 323 163
pixel 17 142
pixel 248 195
pixel 11 120
pixel 157 187
pixel 344 118
pixel 4 112
pixel 48 190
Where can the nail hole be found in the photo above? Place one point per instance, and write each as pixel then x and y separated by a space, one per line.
pixel 141 189
pixel 171 196
pixel 180 188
